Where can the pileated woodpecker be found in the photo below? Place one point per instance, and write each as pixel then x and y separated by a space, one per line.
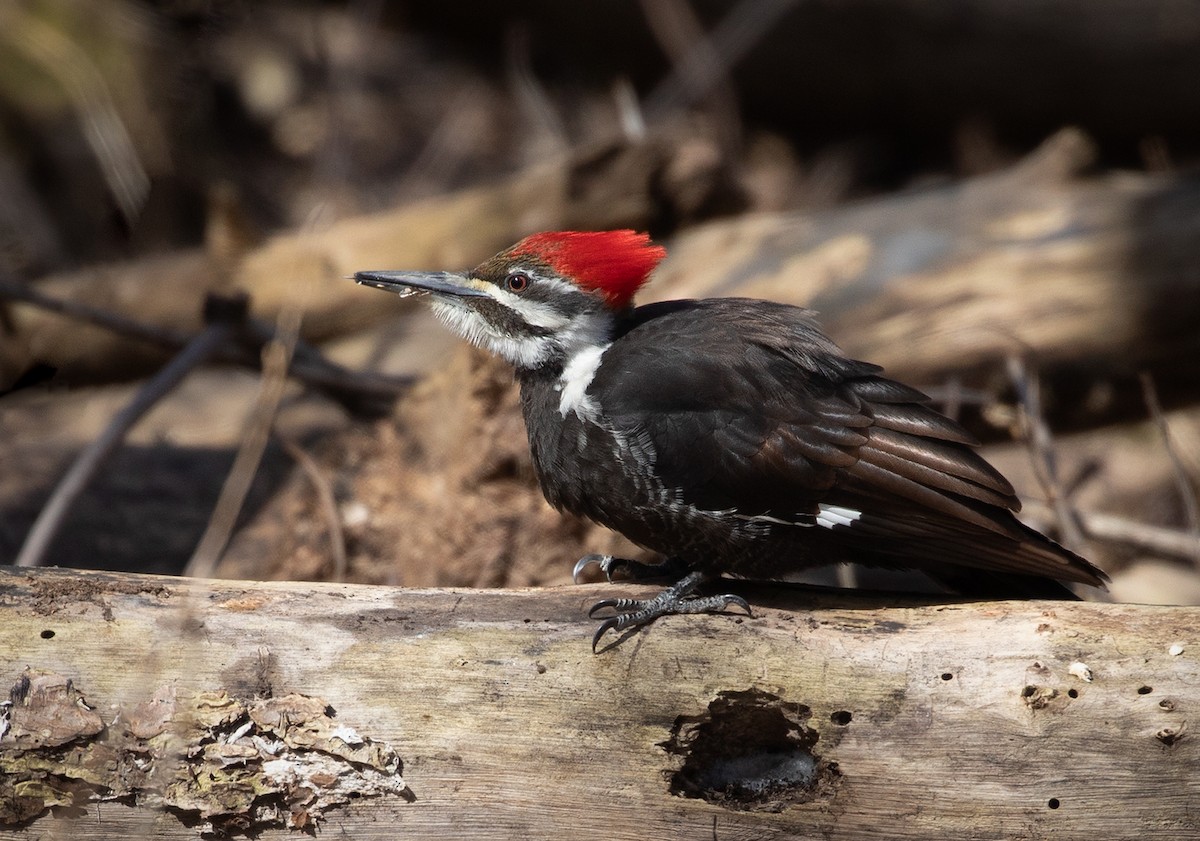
pixel 729 434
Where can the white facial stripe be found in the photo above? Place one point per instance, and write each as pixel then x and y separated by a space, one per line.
pixel 834 515
pixel 557 282
pixel 576 377
pixel 533 312
pixel 567 335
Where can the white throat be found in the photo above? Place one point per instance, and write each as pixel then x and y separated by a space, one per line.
pixel 521 351
pixel 579 340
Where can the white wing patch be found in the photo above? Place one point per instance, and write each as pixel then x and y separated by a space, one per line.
pixel 834 515
pixel 573 384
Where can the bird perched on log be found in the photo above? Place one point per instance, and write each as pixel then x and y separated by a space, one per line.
pixel 729 434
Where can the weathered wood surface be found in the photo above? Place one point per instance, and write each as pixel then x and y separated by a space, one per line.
pixel 923 721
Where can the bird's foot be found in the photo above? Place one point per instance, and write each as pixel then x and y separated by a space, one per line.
pixel 625 568
pixel 629 613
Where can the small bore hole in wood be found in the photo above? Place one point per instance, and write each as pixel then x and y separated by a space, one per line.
pixel 1145 690
pixel 47 634
pixel 1053 803
pixel 1072 693
pixel 841 717
pixel 947 675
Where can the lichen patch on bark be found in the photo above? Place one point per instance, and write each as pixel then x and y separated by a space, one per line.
pixel 221 764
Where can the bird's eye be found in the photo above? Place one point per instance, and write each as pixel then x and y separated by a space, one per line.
pixel 516 282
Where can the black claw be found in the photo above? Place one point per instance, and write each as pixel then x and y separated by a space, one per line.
pixel 602 561
pixel 603 604
pixel 605 626
pixel 632 613
pixel 738 601
pixel 608 565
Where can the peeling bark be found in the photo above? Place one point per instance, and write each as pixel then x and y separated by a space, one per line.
pixel 218 764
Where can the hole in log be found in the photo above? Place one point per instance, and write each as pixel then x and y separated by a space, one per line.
pixel 1145 690
pixel 750 751
pixel 841 717
pixel 1072 693
pixel 47 634
pixel 1038 697
pixel 1053 803
pixel 947 675
pixel 1170 735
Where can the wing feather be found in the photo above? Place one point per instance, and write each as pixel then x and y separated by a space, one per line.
pixel 939 465
pixel 750 408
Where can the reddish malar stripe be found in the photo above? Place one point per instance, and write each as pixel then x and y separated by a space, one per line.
pixel 614 263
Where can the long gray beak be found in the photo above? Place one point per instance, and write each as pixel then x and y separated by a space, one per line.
pixel 415 283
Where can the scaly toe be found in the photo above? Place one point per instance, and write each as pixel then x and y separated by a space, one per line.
pixel 630 613
pixel 623 607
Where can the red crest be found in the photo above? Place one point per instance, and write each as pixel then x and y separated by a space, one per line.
pixel 613 263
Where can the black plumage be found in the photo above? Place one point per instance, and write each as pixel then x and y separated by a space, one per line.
pixel 736 419
pixel 731 435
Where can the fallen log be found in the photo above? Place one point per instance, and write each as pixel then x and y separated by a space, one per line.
pixel 1091 278
pixel 617 184
pixel 160 706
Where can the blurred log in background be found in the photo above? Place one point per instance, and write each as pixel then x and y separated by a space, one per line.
pixel 998 203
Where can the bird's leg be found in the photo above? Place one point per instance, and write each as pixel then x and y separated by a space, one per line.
pixel 632 612
pixel 628 570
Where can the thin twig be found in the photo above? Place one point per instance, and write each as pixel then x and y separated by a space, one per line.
pixel 327 500
pixel 952 397
pixel 1110 528
pixel 1183 482
pixel 699 72
pixel 117 323
pixel 314 369
pixel 51 517
pixel 310 366
pixel 277 356
pixel 544 134
pixel 1041 448
pixel 711 58
pixel 954 392
pixel 63 59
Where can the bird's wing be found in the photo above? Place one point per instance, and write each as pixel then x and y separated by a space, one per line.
pixel 748 406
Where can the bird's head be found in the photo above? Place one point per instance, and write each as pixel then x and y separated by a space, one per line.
pixel 540 301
